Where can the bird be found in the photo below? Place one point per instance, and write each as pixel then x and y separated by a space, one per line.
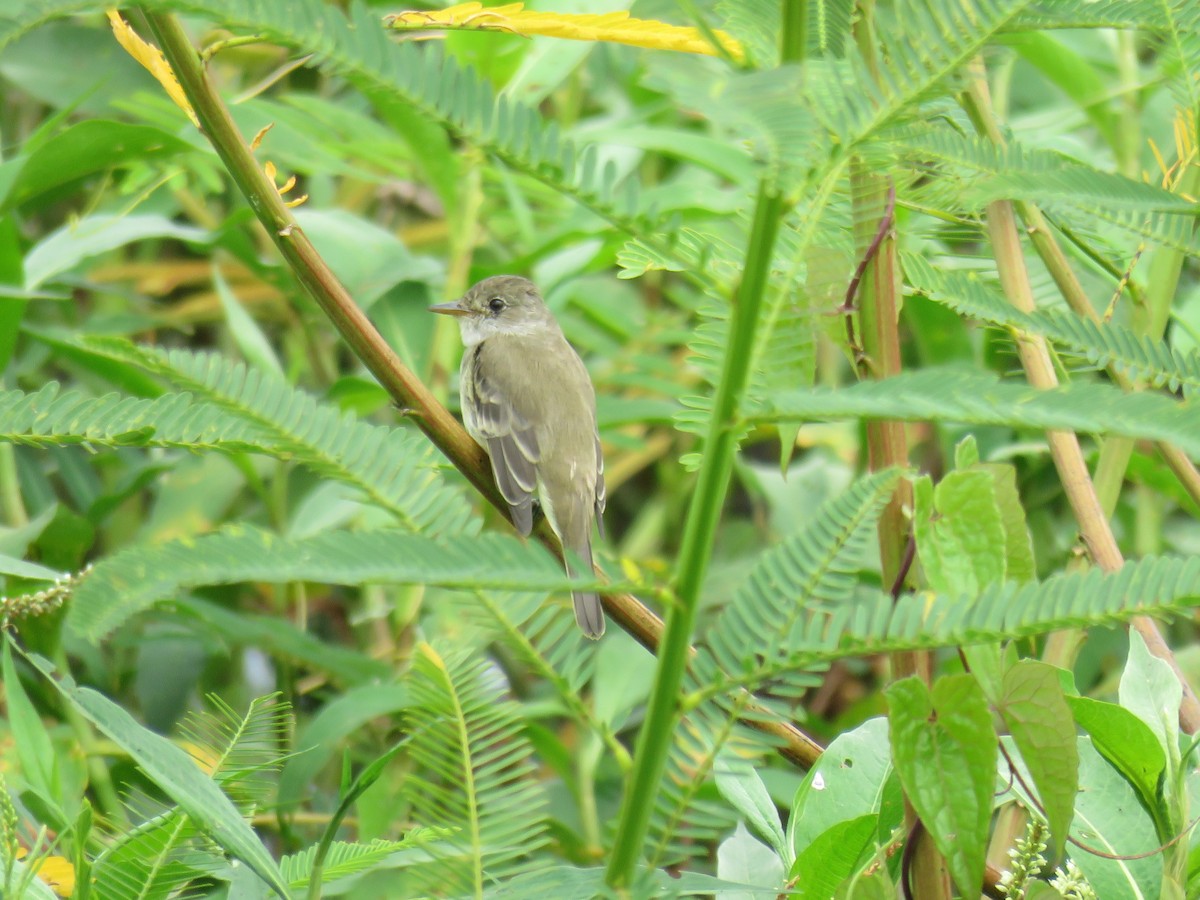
pixel 528 401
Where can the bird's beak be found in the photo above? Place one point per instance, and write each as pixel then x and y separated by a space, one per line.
pixel 449 309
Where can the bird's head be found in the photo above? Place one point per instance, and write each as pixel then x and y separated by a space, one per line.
pixel 502 304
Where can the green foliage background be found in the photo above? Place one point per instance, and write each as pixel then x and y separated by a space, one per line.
pixel 264 638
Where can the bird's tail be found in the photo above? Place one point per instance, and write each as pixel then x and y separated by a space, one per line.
pixel 589 614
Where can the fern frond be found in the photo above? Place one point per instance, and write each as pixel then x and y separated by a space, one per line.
pixel 154 859
pixel 346 859
pixel 920 50
pixel 973 172
pixel 687 819
pixel 813 568
pixel 1100 344
pixel 759 631
pixel 543 636
pixel 757 23
pixel 954 394
pixel 1006 611
pixel 50 418
pixel 163 854
pixel 395 468
pixel 18 19
pixel 473 774
pixel 130 581
pixel 240 751
pixel 1146 15
pixel 1180 46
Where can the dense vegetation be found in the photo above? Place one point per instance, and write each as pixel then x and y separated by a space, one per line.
pixel 893 317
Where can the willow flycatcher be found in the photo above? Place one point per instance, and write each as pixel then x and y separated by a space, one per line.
pixel 527 399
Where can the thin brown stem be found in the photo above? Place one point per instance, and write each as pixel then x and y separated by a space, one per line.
pixel 407 391
pixel 1064 445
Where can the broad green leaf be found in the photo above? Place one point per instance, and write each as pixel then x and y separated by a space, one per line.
pixel 960 538
pixel 875 886
pixel 944 749
pixel 848 781
pixel 741 857
pixel 366 258
pixel 1019 563
pixel 12 276
pixel 93 145
pixel 1125 741
pixel 175 773
pixel 1151 691
pixel 21 568
pixel 740 785
pixel 1109 817
pixel 245 331
pixel 986 663
pixel 35 750
pixel 1039 720
pixel 65 248
pixel 834 856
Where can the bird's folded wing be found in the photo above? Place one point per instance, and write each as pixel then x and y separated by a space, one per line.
pixel 513 447
pixel 601 491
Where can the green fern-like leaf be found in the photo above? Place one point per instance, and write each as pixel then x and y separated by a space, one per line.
pixel 752 642
pixel 241 751
pixel 1180 46
pixel 1007 611
pixel 921 49
pixel 815 567
pixel 473 775
pixel 163 854
pixel 972 172
pixel 953 394
pixel 355 46
pixel 155 859
pixel 1146 15
pixel 51 418
pixel 346 859
pixel 395 468
pixel 686 819
pixel 130 581
pixel 17 19
pixel 1100 344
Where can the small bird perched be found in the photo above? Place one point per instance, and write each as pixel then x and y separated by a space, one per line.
pixel 527 399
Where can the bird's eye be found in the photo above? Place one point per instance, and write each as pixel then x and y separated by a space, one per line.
pixel 495 304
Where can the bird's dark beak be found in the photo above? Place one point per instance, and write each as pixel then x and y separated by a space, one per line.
pixel 449 309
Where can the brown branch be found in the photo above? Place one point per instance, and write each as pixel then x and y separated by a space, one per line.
pixel 1064 445
pixel 406 390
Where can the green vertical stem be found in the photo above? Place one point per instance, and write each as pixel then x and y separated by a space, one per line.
pixel 704 512
pixel 794 41
pixel 654 738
